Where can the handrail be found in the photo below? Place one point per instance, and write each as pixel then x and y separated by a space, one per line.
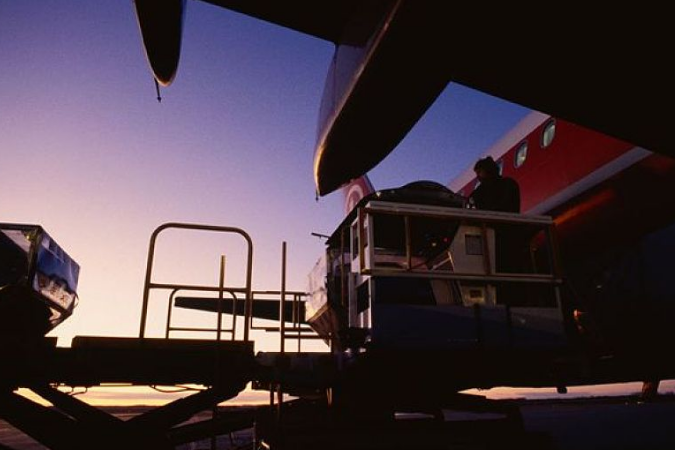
pixel 192 287
pixel 191 226
pixel 444 212
pixel 284 331
pixel 496 277
pixel 282 300
pixel 169 315
pixel 482 218
pixel 363 229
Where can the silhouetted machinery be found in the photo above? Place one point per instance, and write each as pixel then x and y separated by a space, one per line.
pixel 418 298
pixel 38 282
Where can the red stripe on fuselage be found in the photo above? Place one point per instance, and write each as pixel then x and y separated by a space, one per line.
pixel 574 153
pixel 602 192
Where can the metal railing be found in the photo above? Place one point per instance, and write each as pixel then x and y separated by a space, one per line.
pixel 296 327
pixel 233 330
pixel 221 289
pixel 482 218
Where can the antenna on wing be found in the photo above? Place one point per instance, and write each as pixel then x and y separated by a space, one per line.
pixel 159 95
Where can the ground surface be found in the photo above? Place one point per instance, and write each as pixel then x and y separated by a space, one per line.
pixel 599 423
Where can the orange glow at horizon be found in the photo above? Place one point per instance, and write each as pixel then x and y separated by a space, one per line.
pixel 145 396
pixel 120 395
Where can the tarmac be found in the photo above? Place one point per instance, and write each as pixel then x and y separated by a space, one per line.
pixel 616 423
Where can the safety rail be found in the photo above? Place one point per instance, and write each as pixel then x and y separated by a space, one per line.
pixel 259 295
pixel 296 320
pixel 294 330
pixel 169 328
pixel 366 252
pixel 221 289
pixel 478 253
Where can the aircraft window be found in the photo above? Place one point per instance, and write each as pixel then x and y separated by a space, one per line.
pixel 548 133
pixel 500 164
pixel 475 186
pixel 521 155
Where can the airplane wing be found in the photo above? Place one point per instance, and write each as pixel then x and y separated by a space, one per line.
pixel 393 58
pixel 161 24
pixel 322 19
pixel 261 308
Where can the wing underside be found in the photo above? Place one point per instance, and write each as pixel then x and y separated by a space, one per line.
pixel 322 19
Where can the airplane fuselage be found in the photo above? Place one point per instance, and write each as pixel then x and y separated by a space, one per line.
pixel 615 220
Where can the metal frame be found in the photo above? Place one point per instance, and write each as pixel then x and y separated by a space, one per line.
pixel 296 325
pixel 169 316
pixel 221 290
pixel 190 226
pixel 364 228
pixel 364 220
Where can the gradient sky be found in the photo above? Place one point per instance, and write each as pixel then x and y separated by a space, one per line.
pixel 88 153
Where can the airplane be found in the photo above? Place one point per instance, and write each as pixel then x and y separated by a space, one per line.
pixel 394 57
pixel 616 301
pixel 380 82
pixel 614 238
pixel 392 361
pixel 615 225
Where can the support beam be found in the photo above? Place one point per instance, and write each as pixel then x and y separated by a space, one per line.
pixel 181 410
pixel 47 426
pixel 82 412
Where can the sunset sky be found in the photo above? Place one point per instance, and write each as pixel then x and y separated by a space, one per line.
pixel 87 152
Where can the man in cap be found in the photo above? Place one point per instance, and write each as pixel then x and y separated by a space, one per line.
pixel 495 193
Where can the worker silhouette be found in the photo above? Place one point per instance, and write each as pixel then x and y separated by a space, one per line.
pixel 497 193
pixel 494 193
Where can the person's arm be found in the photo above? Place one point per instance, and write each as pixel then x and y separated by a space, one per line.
pixel 476 200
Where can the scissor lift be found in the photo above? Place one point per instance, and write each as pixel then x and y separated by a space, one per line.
pixel 224 367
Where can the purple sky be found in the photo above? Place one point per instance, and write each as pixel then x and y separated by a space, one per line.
pixel 87 152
